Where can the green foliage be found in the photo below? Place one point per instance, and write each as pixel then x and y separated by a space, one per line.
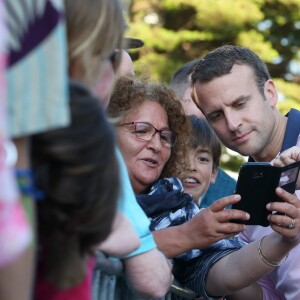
pixel 182 30
pixel 255 40
pixel 230 161
pixel 177 31
pixel 288 94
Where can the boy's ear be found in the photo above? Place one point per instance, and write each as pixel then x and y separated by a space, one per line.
pixel 214 175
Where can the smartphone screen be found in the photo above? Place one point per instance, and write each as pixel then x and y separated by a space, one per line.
pixel 289 178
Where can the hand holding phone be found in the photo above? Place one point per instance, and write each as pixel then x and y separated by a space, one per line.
pixel 256 184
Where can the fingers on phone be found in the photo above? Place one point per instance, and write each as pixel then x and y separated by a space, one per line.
pixel 224 202
pixel 234 214
pixel 233 228
pixel 287 197
pixel 283 224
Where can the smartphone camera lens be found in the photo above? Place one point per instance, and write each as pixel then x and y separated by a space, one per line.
pixel 258 175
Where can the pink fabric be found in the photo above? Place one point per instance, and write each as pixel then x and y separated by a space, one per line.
pixel 269 289
pixel 283 281
pixel 83 291
pixel 15 233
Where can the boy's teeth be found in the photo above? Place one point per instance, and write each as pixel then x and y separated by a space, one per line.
pixel 190 180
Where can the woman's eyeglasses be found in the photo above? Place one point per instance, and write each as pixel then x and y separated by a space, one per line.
pixel 146 132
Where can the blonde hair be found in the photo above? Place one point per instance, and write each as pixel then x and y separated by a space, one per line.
pixel 94 28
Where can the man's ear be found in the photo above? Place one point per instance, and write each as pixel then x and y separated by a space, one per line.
pixel 194 96
pixel 214 175
pixel 271 93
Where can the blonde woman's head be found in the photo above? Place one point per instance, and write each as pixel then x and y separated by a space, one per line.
pixel 95 30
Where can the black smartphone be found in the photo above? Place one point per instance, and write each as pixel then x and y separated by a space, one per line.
pixel 256 184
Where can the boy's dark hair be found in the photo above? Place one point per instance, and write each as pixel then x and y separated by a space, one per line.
pixel 221 60
pixel 76 168
pixel 203 135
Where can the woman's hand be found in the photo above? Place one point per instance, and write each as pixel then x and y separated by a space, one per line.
pixel 291 206
pixel 287 222
pixel 215 222
pixel 209 226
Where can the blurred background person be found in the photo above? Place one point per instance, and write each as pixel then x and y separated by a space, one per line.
pixel 37 100
pixel 95 64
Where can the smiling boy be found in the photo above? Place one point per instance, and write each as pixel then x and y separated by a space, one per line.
pixel 203 158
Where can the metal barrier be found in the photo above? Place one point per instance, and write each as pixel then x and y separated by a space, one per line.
pixel 109 283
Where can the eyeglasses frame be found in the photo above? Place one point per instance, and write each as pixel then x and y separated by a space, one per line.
pixel 156 131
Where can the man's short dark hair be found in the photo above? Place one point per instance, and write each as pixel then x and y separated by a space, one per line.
pixel 220 61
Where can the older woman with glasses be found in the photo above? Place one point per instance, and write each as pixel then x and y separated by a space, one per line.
pixel 152 133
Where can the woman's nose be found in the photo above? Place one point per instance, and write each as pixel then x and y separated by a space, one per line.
pixel 155 142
